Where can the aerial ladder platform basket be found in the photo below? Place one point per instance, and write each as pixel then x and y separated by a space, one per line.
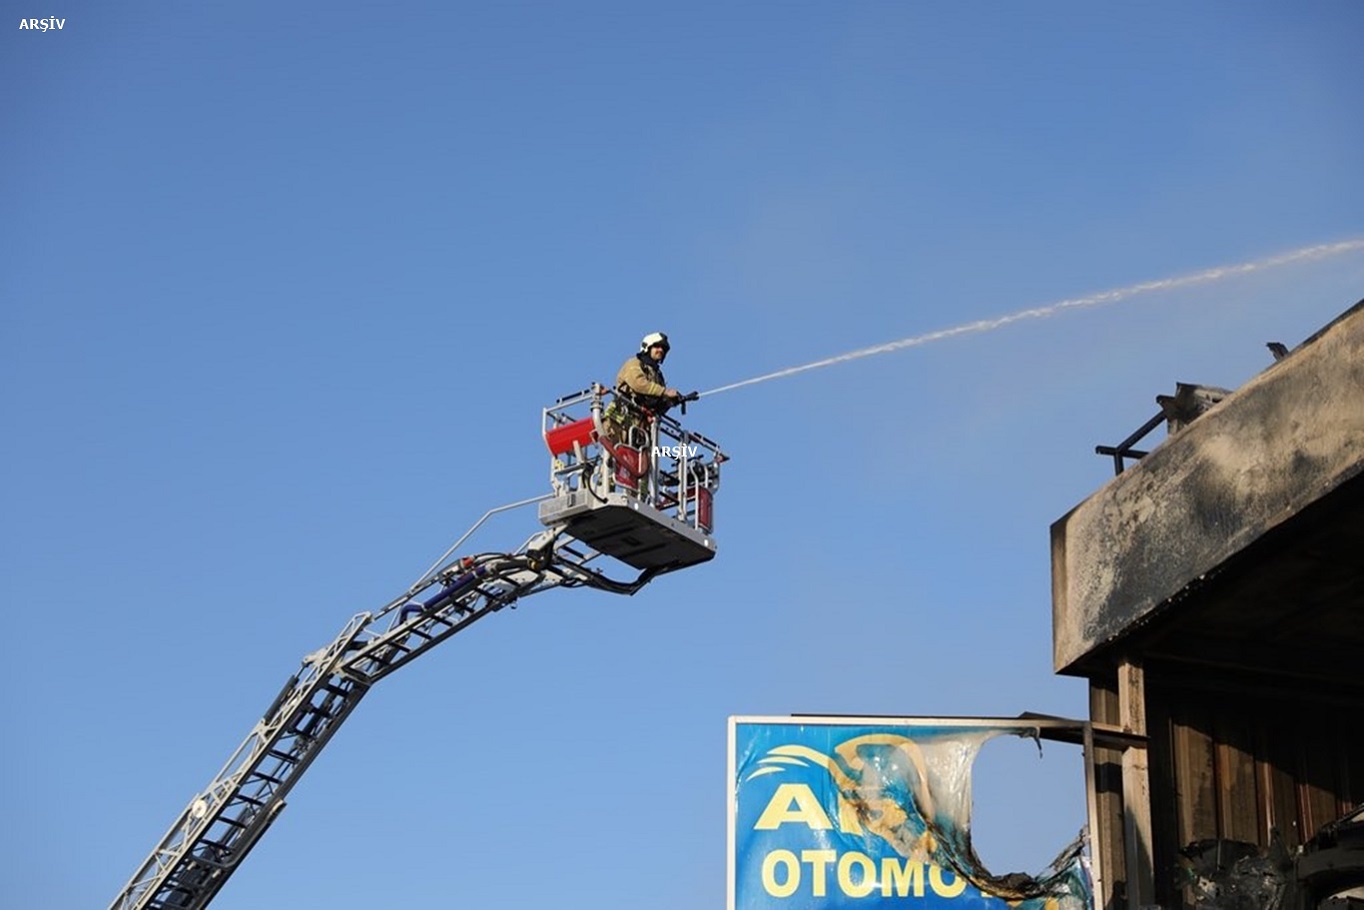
pixel 631 483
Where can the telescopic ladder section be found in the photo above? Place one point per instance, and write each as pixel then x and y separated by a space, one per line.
pixel 220 826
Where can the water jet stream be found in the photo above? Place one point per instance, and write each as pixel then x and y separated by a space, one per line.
pixel 1115 295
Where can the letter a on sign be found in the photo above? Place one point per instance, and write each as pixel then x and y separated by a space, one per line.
pixel 793 803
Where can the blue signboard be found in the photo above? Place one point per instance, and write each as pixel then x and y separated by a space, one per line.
pixel 833 814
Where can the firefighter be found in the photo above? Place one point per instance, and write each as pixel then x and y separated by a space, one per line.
pixel 641 377
pixel 641 390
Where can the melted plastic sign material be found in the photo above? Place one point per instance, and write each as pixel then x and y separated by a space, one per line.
pixel 844 814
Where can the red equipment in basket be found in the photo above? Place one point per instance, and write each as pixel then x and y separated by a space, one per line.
pixel 561 439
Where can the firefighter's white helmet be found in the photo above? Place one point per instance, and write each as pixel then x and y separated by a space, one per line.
pixel 652 339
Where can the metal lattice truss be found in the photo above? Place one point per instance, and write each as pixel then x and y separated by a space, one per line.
pixel 217 830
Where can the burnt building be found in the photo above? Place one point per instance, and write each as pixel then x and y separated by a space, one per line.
pixel 1212 594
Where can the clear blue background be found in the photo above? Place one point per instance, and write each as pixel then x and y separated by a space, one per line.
pixel 285 286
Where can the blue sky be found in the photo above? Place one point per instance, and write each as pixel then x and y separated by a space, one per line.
pixel 284 290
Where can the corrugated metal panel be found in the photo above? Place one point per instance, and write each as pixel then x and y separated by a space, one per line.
pixel 1236 764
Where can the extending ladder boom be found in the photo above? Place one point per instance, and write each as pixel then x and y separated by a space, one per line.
pixel 219 827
